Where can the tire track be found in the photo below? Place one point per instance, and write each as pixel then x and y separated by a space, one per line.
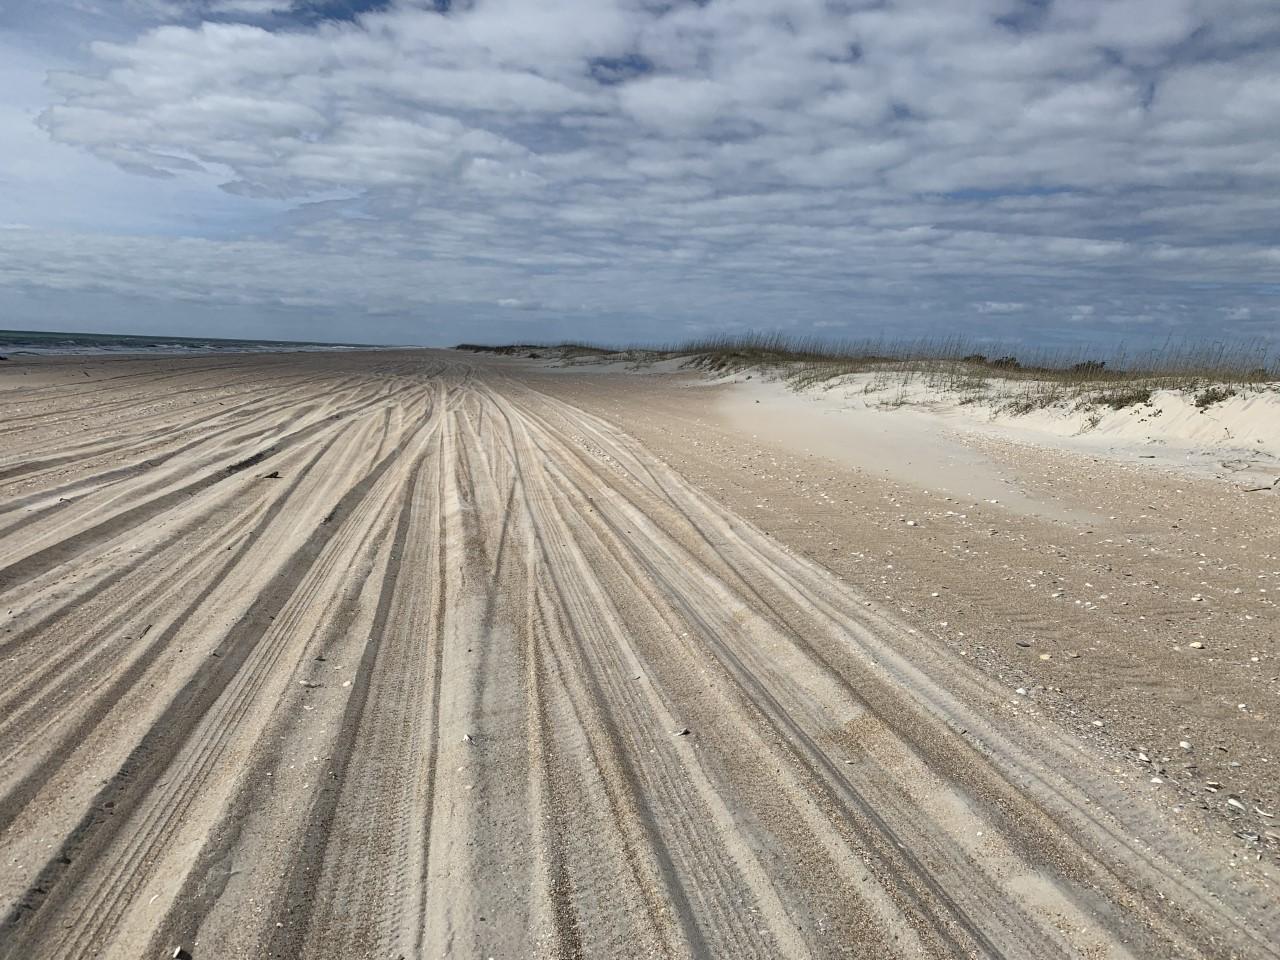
pixel 117 800
pixel 584 709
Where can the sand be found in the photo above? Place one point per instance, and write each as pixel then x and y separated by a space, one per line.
pixel 415 654
pixel 904 428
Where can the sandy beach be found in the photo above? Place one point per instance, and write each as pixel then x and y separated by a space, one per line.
pixel 418 653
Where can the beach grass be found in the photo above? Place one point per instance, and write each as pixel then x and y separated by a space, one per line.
pixel 1016 379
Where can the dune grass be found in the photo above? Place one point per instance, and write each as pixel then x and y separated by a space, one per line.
pixel 566 350
pixel 1017 380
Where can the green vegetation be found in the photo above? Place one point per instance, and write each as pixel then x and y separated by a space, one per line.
pixel 1017 381
pixel 567 351
pixel 1208 397
pixel 1126 397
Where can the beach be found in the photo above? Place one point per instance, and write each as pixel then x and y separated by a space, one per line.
pixel 414 653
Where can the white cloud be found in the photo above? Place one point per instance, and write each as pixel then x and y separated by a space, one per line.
pixel 703 157
pixel 997 306
pixel 1144 24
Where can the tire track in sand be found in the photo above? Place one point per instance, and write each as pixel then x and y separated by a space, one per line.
pixel 549 607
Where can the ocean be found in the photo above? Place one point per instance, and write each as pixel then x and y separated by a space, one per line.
pixel 18 343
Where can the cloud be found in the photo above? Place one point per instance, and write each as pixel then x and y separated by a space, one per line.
pixel 183 11
pixel 728 159
pixel 996 306
pixel 513 303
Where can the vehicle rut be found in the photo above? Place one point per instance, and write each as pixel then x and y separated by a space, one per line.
pixel 475 673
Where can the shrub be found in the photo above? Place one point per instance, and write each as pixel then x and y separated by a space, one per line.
pixel 1119 399
pixel 1208 397
pixel 1089 366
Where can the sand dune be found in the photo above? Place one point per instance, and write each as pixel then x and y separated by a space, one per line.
pixel 412 654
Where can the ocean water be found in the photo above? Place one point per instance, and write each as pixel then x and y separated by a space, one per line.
pixel 18 343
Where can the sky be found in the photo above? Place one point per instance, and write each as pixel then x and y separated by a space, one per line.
pixel 409 171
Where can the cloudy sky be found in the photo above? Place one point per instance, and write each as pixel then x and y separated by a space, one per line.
pixel 423 172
